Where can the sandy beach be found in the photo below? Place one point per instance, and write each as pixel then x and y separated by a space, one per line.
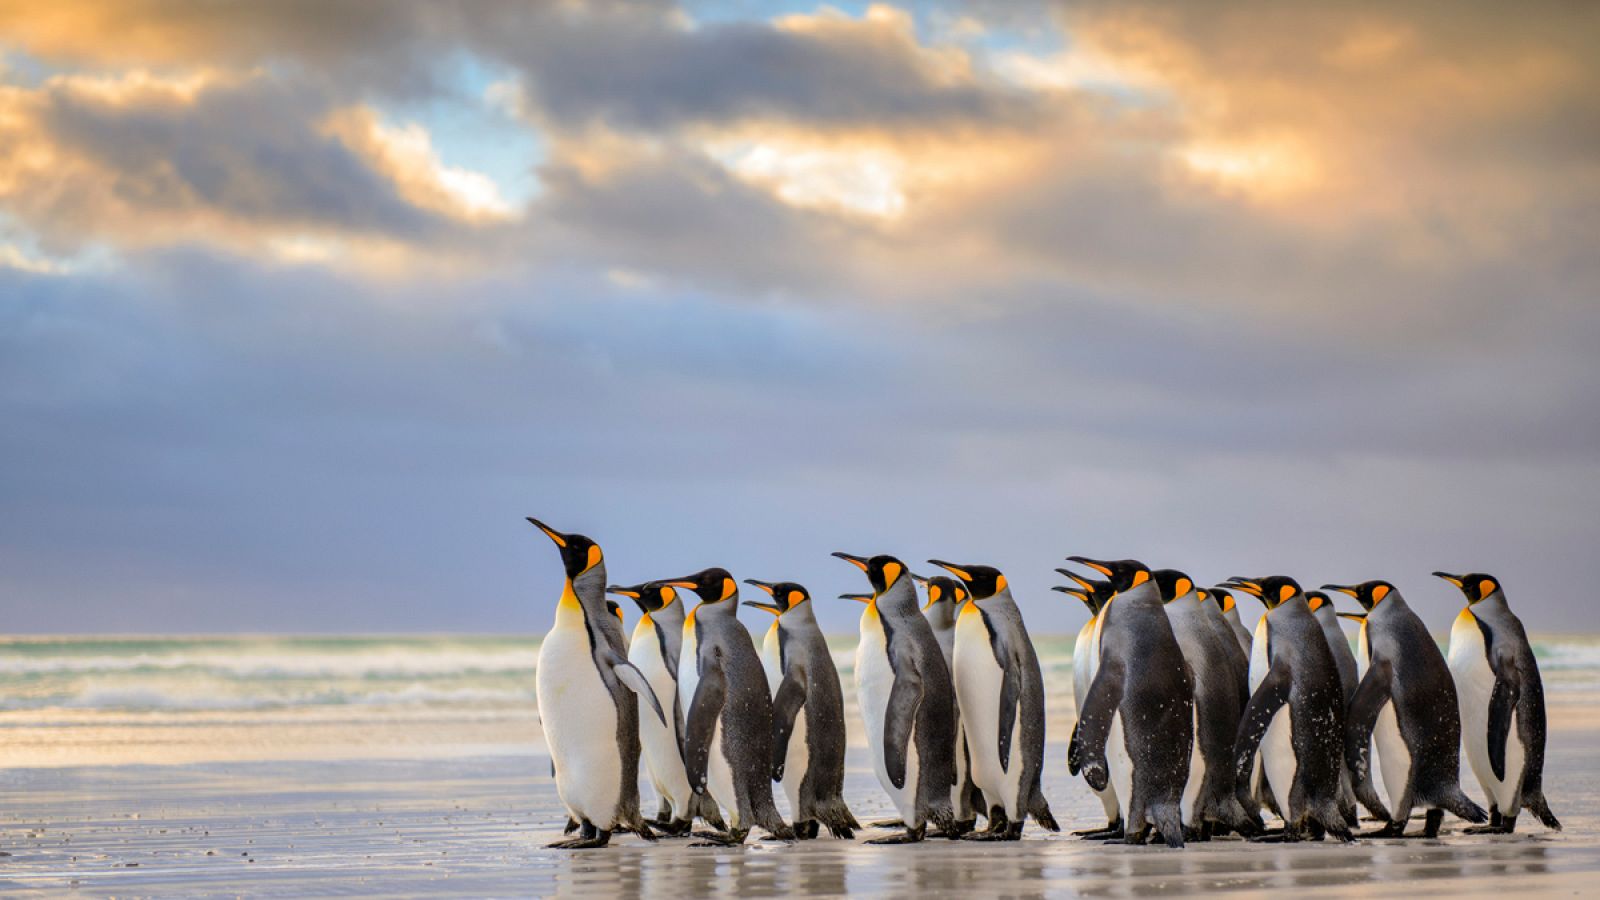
pixel 456 799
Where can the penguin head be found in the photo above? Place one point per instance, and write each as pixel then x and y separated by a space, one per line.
pixel 1172 584
pixel 786 595
pixel 1093 592
pixel 1368 593
pixel 882 570
pixel 713 585
pixel 615 609
pixel 1220 594
pixel 1476 585
pixel 1271 590
pixel 650 596
pixel 1122 573
pixel 982 581
pixel 1317 599
pixel 943 589
pixel 578 553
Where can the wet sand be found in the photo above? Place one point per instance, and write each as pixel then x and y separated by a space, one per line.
pixel 476 826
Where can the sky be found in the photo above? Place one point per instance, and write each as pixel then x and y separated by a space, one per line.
pixel 305 305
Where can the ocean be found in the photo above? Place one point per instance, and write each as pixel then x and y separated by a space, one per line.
pixel 76 700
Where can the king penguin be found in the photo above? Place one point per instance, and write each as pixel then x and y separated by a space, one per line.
pixel 586 689
pixel 1230 611
pixel 654 649
pixel 1502 703
pixel 945 598
pixel 1085 659
pixel 1136 725
pixel 907 701
pixel 1210 798
pixel 1296 715
pixel 807 750
pixel 727 738
pixel 1351 785
pixel 1406 678
pixel 1000 693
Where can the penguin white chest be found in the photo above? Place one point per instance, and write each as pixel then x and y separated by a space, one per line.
pixel 796 758
pixel 719 773
pixel 580 727
pixel 978 679
pixel 874 681
pixel 658 742
pixel 1469 664
pixel 1277 761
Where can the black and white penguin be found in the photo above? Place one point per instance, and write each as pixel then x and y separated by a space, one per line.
pixel 1136 725
pixel 1000 693
pixel 586 688
pixel 1406 679
pixel 1353 785
pixel 1230 612
pixel 945 598
pixel 1502 703
pixel 808 732
pixel 1211 796
pixel 907 701
pixel 1085 659
pixel 1296 716
pixel 727 739
pixel 654 649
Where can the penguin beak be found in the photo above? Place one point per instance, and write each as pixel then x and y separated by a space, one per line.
pixel 859 562
pixel 773 608
pixel 1245 584
pixel 1341 588
pixel 1354 617
pixel 952 568
pixel 1073 591
pixel 764 585
pixel 919 579
pixel 859 598
pixel 1094 564
pixel 684 583
pixel 554 535
pixel 1453 579
pixel 630 593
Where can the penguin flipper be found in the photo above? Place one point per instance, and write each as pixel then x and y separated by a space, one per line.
pixel 1264 704
pixel 704 711
pixel 1370 697
pixel 1502 703
pixel 634 680
pixel 1010 690
pixel 786 705
pixel 905 698
pixel 1089 738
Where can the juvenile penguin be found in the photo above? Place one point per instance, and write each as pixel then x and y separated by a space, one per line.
pixel 1296 715
pixel 945 597
pixel 808 736
pixel 1406 682
pixel 1000 692
pixel 727 739
pixel 1502 703
pixel 1210 798
pixel 1351 785
pixel 654 649
pixel 1136 726
pixel 586 689
pixel 1085 659
pixel 1230 612
pixel 906 700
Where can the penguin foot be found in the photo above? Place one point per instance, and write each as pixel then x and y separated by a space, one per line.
pixel 1113 825
pixel 1007 835
pixel 591 839
pixel 718 839
pixel 1389 830
pixel 1109 834
pixel 887 823
pixel 909 836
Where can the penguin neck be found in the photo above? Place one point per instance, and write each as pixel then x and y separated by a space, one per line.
pixel 719 611
pixel 669 617
pixel 1494 604
pixel 583 605
pixel 1144 592
pixel 998 600
pixel 800 616
pixel 941 615
pixel 898 601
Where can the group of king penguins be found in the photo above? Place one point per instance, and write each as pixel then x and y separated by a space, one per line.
pixel 1189 723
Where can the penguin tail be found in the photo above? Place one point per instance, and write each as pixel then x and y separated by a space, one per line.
pixel 1041 813
pixel 833 813
pixel 1534 801
pixel 1167 819
pixel 1328 815
pixel 634 822
pixel 706 808
pixel 1456 801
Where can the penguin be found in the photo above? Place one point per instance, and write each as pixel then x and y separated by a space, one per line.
pixel 654 649
pixel 1352 786
pixel 807 750
pixel 1502 703
pixel 1000 695
pixel 1407 681
pixel 1211 613
pixel 945 597
pixel 1221 690
pixel 907 701
pixel 586 689
pixel 727 738
pixel 1085 658
pixel 1136 725
pixel 1296 715
pixel 1230 612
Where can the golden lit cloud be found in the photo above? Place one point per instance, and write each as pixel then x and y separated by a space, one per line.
pixel 406 154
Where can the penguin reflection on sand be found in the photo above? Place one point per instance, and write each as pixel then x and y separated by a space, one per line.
pixel 654 649
pixel 1296 715
pixel 1000 691
pixel 808 737
pixel 945 598
pixel 1502 703
pixel 727 741
pixel 1085 659
pixel 1136 727
pixel 586 689
pixel 1408 685
pixel 906 700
